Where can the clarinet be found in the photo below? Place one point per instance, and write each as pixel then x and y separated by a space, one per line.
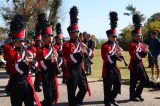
pixel 119 50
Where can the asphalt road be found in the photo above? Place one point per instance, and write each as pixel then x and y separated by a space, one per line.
pixel 152 97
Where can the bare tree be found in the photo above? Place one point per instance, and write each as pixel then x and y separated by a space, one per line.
pixel 54 10
pixel 30 8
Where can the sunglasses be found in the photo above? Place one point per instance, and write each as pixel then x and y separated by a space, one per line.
pixel 114 36
pixel 154 33
pixel 137 35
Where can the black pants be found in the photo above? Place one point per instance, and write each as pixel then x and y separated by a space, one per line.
pixel 137 74
pixel 77 79
pixel 49 88
pixel 37 82
pixel 111 83
pixel 112 87
pixel 63 70
pixel 21 92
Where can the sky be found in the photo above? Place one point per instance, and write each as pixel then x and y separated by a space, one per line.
pixel 94 14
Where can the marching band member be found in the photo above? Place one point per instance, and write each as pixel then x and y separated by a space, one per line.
pixel 21 86
pixel 37 81
pixel 6 48
pixel 111 73
pixel 73 53
pixel 137 51
pixel 47 57
pixel 58 45
pixel 37 45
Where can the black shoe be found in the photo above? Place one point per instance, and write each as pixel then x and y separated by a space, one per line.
pixel 114 103
pixel 79 103
pixel 87 73
pixel 107 104
pixel 58 72
pixel 38 90
pixel 64 82
pixel 90 62
pixel 134 99
pixel 42 103
pixel 141 98
pixel 7 91
pixel 90 73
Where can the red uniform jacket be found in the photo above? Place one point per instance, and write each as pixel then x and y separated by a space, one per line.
pixel 70 55
pixel 15 69
pixel 108 50
pixel 43 53
pixel 6 49
pixel 34 49
pixel 136 51
pixel 58 47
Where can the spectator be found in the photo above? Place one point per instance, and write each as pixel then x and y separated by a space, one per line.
pixel 81 37
pixel 94 42
pixel 85 36
pixel 87 60
pixel 154 47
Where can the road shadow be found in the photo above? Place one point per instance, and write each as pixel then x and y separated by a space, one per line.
pixel 93 103
pixel 154 86
pixel 2 87
pixel 61 104
pixel 125 81
pixel 157 98
pixel 88 82
pixel 3 95
pixel 95 81
pixel 84 103
pixel 123 101
pixel 125 67
pixel 153 89
pixel 3 75
pixel 3 92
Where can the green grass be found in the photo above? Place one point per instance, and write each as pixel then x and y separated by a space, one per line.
pixel 125 74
